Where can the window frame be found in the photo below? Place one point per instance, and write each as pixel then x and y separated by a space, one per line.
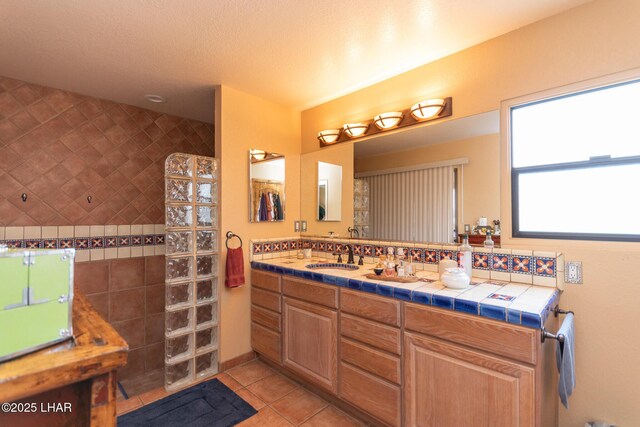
pixel 594 162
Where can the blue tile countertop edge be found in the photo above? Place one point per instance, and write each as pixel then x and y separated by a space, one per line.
pixel 494 312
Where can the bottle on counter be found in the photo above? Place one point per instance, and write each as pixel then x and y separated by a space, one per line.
pixel 390 265
pixel 409 268
pixel 488 242
pixel 466 256
pixel 401 264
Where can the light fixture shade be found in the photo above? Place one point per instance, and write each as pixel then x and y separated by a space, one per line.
pixel 388 120
pixel 354 130
pixel 329 136
pixel 427 109
pixel 258 154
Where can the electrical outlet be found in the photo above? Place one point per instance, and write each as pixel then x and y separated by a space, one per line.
pixel 303 226
pixel 296 226
pixel 573 272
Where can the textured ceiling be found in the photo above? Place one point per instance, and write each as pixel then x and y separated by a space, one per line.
pixel 295 52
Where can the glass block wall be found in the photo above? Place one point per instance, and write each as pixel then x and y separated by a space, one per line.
pixel 191 318
pixel 361 207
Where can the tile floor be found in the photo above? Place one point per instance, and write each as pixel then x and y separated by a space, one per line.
pixel 278 400
pixel 143 383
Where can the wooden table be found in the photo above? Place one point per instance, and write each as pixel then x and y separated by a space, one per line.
pixel 80 374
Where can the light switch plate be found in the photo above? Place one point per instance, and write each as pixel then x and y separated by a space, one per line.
pixel 573 272
pixel 296 226
pixel 303 226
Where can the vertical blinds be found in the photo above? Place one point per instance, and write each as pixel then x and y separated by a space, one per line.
pixel 413 205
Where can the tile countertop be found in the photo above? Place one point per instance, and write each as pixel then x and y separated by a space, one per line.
pixel 514 303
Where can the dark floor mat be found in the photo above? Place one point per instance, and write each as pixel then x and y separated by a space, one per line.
pixel 207 404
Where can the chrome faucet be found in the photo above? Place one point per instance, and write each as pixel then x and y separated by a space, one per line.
pixel 350 248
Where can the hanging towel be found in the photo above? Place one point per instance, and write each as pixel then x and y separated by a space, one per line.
pixel 278 206
pixel 235 268
pixel 269 207
pixel 263 207
pixel 565 360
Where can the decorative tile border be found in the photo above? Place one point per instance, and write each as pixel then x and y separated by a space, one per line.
pixel 92 243
pixel 82 243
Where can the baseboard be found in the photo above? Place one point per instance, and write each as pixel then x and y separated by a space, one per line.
pixel 231 363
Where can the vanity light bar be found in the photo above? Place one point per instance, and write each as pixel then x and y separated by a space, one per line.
pixel 389 120
pixel 329 136
pixel 355 130
pixel 426 109
pixel 423 111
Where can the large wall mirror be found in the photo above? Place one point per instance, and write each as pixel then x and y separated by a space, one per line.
pixel 266 177
pixel 423 184
pixel 329 192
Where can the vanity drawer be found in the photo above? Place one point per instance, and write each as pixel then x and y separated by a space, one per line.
pixel 264 280
pixel 375 334
pixel 266 299
pixel 373 361
pixel 311 292
pixel 266 342
pixel 373 395
pixel 484 334
pixel 380 309
pixel 266 318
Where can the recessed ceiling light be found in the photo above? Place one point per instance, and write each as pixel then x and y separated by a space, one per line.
pixel 154 98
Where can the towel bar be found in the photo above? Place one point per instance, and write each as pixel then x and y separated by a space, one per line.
pixel 557 311
pixel 546 334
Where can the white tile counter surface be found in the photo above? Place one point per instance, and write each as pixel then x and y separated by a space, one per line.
pixel 516 303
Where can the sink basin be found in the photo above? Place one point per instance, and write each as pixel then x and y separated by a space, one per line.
pixel 332 266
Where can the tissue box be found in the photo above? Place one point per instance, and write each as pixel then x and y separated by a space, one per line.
pixel 36 294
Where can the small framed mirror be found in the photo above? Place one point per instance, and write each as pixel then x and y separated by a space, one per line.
pixel 329 192
pixel 266 180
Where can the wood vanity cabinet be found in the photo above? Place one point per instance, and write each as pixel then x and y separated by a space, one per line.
pixel 405 364
pixel 371 345
pixel 311 332
pixel 448 385
pixel 464 370
pixel 266 317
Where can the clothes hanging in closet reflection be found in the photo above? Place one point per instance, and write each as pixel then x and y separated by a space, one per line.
pixel 270 207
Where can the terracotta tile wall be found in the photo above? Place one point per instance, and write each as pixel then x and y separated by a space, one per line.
pixel 59 148
pixel 129 294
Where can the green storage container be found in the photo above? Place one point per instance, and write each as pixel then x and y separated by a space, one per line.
pixel 36 294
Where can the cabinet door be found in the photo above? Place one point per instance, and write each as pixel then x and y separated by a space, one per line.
pixel 311 343
pixel 447 385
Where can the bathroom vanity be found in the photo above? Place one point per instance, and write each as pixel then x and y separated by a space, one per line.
pixel 398 358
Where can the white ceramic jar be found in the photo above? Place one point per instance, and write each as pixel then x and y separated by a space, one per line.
pixel 455 278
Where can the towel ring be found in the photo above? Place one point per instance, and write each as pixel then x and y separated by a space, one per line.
pixel 231 235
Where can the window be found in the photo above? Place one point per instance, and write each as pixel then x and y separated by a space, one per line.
pixel 575 165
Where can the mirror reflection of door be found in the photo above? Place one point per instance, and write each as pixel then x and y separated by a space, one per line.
pixel 329 205
pixel 322 199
